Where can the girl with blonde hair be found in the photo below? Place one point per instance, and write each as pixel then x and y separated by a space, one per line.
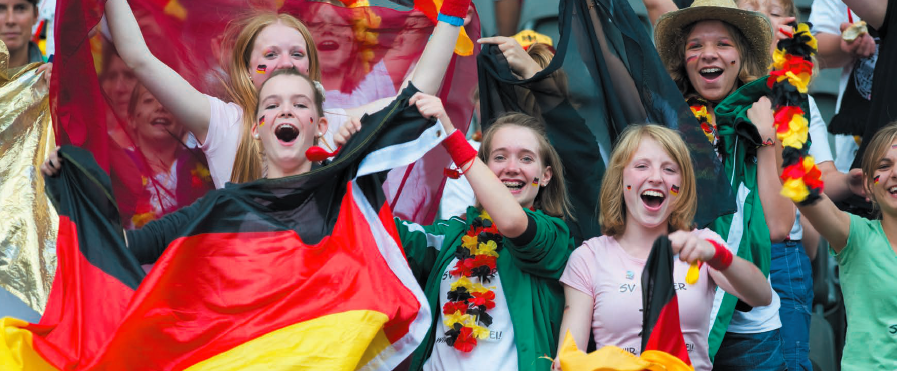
pixel 648 191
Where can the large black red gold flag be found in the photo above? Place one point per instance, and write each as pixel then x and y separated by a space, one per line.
pixel 605 75
pixel 365 54
pixel 302 272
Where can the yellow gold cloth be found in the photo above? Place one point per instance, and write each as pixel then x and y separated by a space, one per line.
pixel 28 222
pixel 611 358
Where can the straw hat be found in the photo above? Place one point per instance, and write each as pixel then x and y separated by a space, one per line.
pixel 754 26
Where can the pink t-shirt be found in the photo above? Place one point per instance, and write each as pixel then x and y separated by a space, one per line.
pixel 224 133
pixel 602 269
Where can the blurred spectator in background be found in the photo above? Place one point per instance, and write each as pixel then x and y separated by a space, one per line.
pixel 18 18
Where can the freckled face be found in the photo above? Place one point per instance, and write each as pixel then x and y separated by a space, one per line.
pixel 712 61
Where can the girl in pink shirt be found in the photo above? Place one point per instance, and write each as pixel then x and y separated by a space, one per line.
pixel 649 191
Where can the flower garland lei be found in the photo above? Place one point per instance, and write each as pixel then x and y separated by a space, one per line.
pixel 468 301
pixel 792 72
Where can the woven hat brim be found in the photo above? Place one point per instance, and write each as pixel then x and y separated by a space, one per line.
pixel 754 26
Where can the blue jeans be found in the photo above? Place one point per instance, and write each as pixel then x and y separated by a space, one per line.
pixel 792 277
pixel 750 352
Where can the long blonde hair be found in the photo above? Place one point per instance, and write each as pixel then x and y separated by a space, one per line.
pixel 248 161
pixel 552 199
pixel 613 207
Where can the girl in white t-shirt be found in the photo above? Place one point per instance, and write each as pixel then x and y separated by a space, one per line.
pixel 648 191
pixel 262 44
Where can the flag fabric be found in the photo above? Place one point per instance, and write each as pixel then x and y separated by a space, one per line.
pixel 605 75
pixel 299 272
pixel 365 54
pixel 661 331
pixel 28 228
pixel 663 346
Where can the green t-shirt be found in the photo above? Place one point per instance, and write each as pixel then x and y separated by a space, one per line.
pixel 868 268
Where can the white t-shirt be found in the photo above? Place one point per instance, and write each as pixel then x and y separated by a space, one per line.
pixel 498 352
pixel 826 16
pixel 759 319
pixel 224 133
pixel 377 84
pixel 820 151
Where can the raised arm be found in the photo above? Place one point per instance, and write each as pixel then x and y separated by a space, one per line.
pixel 778 212
pixel 871 11
pixel 657 8
pixel 187 104
pixel 434 61
pixel 506 212
pixel 832 223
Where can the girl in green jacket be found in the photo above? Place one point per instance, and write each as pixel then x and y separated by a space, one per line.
pixel 491 276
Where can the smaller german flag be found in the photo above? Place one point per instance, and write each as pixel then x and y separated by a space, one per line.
pixel 261 68
pixel 876 179
pixel 674 190
pixel 261 121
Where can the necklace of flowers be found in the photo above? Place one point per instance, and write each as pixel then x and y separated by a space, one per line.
pixel 699 109
pixel 469 301
pixel 792 73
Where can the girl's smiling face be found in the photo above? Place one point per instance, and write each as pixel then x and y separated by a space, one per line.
pixel 276 47
pixel 287 124
pixel 712 62
pixel 514 158
pixel 650 181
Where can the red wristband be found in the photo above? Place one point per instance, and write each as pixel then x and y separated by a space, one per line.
pixel 455 8
pixel 458 147
pixel 722 258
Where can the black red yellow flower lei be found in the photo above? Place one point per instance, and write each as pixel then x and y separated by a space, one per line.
pixel 468 301
pixel 699 109
pixel 792 72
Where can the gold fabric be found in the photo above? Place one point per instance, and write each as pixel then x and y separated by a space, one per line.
pixel 28 222
pixel 611 358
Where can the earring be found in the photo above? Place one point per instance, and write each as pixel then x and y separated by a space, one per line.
pixel 256 136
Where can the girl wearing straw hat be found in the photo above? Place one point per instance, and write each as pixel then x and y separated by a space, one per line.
pixel 715 53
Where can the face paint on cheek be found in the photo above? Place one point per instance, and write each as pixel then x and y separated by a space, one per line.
pixel 261 121
pixel 628 187
pixel 876 179
pixel 535 182
pixel 690 59
pixel 261 68
pixel 674 190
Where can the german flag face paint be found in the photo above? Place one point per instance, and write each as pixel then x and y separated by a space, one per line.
pixel 535 182
pixel 261 68
pixel 674 190
pixel 261 121
pixel 876 179
pixel 628 187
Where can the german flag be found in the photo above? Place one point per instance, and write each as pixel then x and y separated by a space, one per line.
pixel 662 340
pixel 304 272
